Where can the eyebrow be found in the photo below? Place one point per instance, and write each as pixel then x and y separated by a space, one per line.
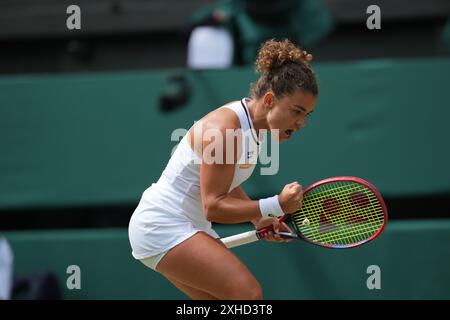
pixel 303 109
pixel 298 106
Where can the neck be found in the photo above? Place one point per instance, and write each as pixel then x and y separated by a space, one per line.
pixel 259 117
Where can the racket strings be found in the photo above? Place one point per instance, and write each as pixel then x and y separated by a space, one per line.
pixel 362 234
pixel 335 231
pixel 351 233
pixel 353 238
pixel 316 204
pixel 318 198
pixel 347 236
pixel 354 212
pixel 339 221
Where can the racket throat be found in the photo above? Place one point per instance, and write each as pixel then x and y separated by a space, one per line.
pixel 288 235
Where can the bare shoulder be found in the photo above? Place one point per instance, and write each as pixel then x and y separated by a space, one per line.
pixel 219 119
pixel 223 118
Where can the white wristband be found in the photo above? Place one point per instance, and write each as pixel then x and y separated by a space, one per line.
pixel 270 207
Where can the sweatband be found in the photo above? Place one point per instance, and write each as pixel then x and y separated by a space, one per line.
pixel 270 207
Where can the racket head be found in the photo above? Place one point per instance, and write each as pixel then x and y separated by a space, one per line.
pixel 339 213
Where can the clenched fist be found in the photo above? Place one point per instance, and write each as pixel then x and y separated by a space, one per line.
pixel 291 197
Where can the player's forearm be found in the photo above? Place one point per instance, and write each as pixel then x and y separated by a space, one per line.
pixel 229 209
pixel 240 193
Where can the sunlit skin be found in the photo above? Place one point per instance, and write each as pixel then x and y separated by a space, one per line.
pixel 287 114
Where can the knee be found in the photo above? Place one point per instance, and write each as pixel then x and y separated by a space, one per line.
pixel 249 289
pixel 254 292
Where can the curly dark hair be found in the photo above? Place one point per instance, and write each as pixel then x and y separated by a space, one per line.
pixel 285 68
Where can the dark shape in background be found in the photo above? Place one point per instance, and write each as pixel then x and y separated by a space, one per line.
pixel 176 94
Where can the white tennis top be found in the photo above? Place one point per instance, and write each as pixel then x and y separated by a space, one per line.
pixel 171 210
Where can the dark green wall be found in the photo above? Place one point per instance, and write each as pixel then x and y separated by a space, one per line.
pixel 413 257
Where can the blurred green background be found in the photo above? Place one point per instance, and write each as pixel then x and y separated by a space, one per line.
pixel 85 129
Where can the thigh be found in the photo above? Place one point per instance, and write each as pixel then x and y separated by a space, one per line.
pixel 203 263
pixel 193 293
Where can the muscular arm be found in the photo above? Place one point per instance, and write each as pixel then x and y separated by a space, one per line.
pixel 215 180
pixel 219 206
pixel 239 193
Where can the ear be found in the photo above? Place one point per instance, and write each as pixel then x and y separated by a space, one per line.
pixel 268 99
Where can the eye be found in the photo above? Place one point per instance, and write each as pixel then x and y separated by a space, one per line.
pixel 297 112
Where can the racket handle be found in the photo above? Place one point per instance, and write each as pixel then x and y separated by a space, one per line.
pixel 262 233
pixel 249 236
pixel 240 239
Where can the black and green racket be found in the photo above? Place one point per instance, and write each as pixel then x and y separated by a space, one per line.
pixel 339 212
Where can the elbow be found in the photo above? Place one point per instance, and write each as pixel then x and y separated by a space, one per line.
pixel 209 212
pixel 211 209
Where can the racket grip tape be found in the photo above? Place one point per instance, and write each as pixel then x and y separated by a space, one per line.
pixel 240 239
pixel 249 236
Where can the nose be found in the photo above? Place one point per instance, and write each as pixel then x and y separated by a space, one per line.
pixel 300 123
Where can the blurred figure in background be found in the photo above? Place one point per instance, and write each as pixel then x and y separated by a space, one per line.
pixel 6 269
pixel 211 44
pixel 230 32
pixel 446 34
pixel 41 285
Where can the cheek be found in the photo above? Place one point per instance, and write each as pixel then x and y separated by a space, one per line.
pixel 272 120
pixel 279 119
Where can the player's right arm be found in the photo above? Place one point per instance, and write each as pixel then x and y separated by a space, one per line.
pixel 216 178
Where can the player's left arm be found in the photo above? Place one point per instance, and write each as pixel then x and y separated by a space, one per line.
pixel 259 223
pixel 239 193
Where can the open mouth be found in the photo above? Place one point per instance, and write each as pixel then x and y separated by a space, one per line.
pixel 288 133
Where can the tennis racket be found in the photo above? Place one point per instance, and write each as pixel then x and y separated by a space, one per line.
pixel 339 212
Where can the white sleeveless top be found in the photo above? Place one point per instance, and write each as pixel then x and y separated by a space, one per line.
pixel 171 210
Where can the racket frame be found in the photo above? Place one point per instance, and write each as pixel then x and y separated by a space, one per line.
pixel 262 233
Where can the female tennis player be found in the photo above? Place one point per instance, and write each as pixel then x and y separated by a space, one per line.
pixel 170 230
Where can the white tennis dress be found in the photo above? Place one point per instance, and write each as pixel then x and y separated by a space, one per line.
pixel 170 211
